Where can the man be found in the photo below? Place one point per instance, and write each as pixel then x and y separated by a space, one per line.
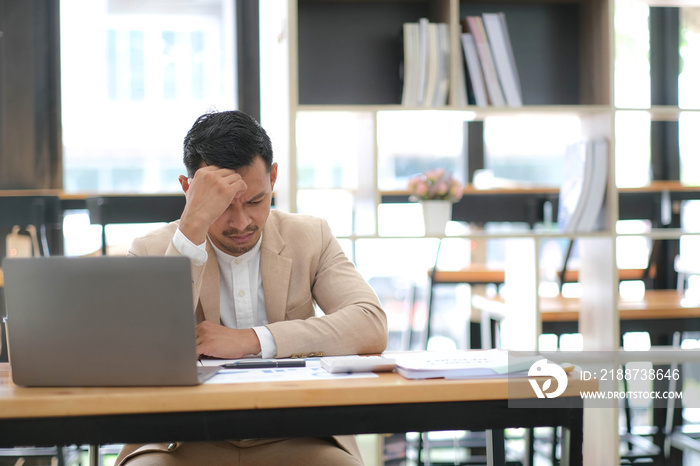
pixel 256 274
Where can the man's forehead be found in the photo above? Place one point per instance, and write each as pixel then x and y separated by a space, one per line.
pixel 258 184
pixel 252 193
pixel 244 169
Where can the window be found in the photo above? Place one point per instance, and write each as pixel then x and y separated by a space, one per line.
pixel 135 76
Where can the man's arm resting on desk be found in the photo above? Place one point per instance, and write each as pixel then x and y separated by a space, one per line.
pixel 354 321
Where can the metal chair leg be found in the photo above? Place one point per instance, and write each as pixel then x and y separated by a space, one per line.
pixel 94 455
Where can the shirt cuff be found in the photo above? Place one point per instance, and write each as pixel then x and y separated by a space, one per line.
pixel 267 342
pixel 196 253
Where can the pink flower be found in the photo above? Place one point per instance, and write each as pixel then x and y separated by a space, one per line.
pixel 435 175
pixel 421 188
pixel 434 184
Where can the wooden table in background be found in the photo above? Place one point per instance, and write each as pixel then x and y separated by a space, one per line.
pixel 658 312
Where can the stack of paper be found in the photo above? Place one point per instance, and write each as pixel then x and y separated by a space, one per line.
pixel 464 364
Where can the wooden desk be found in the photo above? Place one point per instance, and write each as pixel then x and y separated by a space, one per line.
pixel 655 304
pixel 571 276
pixel 386 404
pixel 476 274
pixel 659 312
pixel 486 331
pixel 473 274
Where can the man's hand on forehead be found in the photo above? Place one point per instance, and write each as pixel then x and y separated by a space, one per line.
pixel 208 194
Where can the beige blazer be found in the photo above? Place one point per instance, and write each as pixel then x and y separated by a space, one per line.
pixel 301 263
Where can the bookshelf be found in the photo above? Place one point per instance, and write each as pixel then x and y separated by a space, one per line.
pixel 563 51
pixel 343 57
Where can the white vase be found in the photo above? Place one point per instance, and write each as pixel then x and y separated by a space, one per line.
pixel 436 214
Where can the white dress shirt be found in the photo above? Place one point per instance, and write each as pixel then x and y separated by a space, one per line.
pixel 242 300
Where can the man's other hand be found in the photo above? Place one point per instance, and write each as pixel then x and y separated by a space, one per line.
pixel 227 343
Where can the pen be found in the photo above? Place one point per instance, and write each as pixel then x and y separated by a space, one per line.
pixel 264 364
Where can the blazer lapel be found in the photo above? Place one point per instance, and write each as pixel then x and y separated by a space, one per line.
pixel 276 271
pixel 209 295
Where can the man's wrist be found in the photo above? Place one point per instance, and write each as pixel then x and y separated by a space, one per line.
pixel 196 252
pixel 252 342
pixel 268 347
pixel 194 231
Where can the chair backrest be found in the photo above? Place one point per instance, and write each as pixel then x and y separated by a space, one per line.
pixel 105 210
pixel 113 209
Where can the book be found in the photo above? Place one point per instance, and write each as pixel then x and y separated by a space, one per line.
pixel 493 85
pixel 422 54
pixel 476 77
pixel 431 83
pixel 494 363
pixel 409 94
pixel 503 57
pixel 584 183
pixel 462 88
pixel 596 186
pixel 571 189
pixel 443 65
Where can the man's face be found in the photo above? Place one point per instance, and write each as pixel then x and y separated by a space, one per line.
pixel 238 229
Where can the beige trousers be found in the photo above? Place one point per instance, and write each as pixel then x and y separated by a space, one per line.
pixel 288 452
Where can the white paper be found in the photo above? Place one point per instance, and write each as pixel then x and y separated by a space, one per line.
pixel 312 371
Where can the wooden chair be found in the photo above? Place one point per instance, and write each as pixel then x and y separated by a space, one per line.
pixel 475 274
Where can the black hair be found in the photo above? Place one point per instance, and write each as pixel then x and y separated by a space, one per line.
pixel 230 139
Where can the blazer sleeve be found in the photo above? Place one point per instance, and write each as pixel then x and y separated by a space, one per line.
pixel 353 321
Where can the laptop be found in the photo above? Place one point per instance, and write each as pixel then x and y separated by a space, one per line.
pixel 101 321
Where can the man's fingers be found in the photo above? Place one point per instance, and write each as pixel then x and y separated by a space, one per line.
pixel 240 187
pixel 213 170
pixel 232 181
